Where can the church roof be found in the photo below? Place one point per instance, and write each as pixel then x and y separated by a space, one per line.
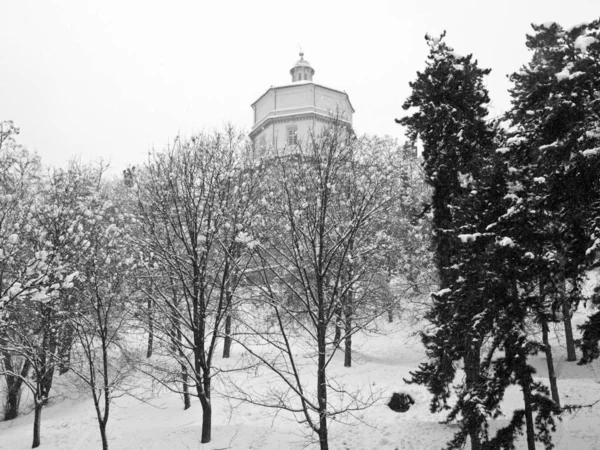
pixel 302 62
pixel 297 83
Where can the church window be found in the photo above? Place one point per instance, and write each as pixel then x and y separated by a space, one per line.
pixel 292 135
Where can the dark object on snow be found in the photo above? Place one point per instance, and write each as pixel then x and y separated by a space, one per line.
pixel 400 402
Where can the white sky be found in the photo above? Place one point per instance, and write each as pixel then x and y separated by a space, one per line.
pixel 114 78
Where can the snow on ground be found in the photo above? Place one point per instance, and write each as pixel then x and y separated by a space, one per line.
pixel 381 363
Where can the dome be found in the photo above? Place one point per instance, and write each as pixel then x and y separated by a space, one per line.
pixel 302 70
pixel 302 62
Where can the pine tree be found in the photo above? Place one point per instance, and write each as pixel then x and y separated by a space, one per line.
pixel 482 259
pixel 450 98
pixel 555 150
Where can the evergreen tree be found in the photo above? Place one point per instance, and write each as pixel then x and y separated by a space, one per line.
pixel 483 304
pixel 450 99
pixel 555 155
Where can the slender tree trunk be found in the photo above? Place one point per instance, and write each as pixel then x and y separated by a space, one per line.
pixel 322 382
pixel 37 421
pixel 230 284
pixel 227 340
pixel 348 332
pixel 390 310
pixel 566 310
pixel 472 362
pixel 46 385
pixel 102 418
pixel 348 316
pixel 204 396
pixel 186 392
pixel 338 326
pixel 66 344
pixel 201 369
pixel 176 348
pixel 526 388
pixel 550 362
pixel 103 436
pixel 14 386
pixel 13 398
pixel 206 423
pixel 150 325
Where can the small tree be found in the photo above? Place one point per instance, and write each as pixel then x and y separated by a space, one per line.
pixel 19 171
pixel 102 302
pixel 192 207
pixel 38 331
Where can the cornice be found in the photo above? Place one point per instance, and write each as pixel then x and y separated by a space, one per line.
pixel 272 120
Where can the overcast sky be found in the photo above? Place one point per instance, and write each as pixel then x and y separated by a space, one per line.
pixel 115 78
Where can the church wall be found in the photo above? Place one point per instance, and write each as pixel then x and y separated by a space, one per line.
pixel 294 96
pixel 304 127
pixel 265 105
pixel 333 102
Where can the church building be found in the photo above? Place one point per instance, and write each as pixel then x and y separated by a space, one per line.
pixel 284 115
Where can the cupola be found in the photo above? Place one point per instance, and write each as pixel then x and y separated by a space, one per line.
pixel 302 71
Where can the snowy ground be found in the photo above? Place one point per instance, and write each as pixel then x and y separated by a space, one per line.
pixel 381 362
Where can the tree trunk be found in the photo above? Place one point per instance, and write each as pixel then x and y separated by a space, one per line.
pixel 390 310
pixel 338 327
pixel 13 399
pixel 176 347
pixel 206 423
pixel 550 362
pixel 322 383
pixel 103 436
pixel 37 420
pixel 227 341
pixel 66 344
pixel 348 316
pixel 472 362
pixel 204 396
pixel 526 388
pixel 566 310
pixel 348 339
pixel 46 385
pixel 323 440
pixel 229 285
pixel 186 392
pixel 150 326
pixel 13 388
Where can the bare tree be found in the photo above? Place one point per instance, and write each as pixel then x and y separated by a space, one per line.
pixel 193 208
pixel 103 293
pixel 313 257
pixel 37 330
pixel 19 173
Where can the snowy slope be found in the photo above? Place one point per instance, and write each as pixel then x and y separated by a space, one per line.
pixel 381 362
